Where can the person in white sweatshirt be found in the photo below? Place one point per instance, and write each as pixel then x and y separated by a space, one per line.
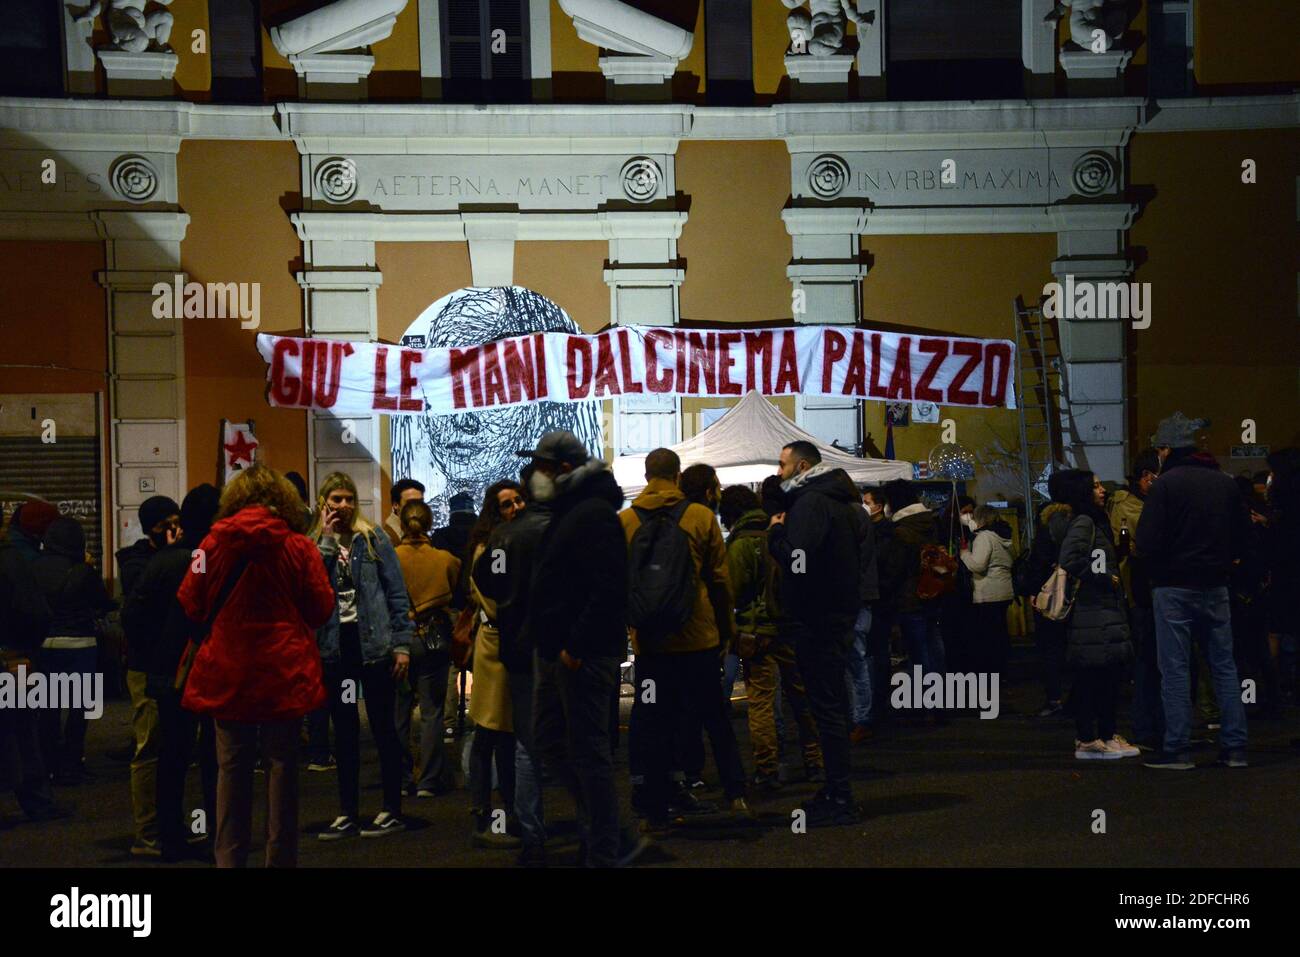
pixel 989 561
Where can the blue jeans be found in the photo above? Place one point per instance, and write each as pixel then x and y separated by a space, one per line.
pixel 1183 614
pixel 920 630
pixel 528 783
pixel 859 670
pixel 730 669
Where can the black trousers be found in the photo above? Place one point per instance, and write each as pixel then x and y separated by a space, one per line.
pixel 992 644
pixel 375 682
pixel 20 758
pixel 882 623
pixel 686 694
pixel 487 748
pixel 821 649
pixel 1050 638
pixel 1095 695
pixel 179 731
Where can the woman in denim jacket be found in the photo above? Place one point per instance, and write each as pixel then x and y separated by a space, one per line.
pixel 364 647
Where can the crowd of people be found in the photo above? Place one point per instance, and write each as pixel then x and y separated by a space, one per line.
pixel 256 620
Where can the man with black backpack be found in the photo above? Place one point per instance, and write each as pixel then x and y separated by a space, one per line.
pixel 818 544
pixel 680 609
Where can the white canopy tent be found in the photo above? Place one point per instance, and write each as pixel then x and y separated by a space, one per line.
pixel 744 444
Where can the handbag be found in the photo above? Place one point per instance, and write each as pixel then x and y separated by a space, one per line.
pixel 192 646
pixel 432 630
pixel 462 636
pixel 1055 600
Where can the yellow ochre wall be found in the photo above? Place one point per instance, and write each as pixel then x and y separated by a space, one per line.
pixel 1221 261
pixel 239 232
pixel 960 285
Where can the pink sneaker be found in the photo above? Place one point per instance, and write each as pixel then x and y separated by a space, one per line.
pixel 1093 751
pixel 1122 748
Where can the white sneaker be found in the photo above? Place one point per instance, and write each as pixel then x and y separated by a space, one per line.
pixel 1093 750
pixel 1119 746
pixel 341 828
pixel 384 825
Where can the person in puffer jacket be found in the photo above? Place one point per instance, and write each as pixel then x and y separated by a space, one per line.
pixel 989 561
pixel 257 671
pixel 1097 634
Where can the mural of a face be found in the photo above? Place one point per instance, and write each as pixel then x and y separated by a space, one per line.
pixel 468 451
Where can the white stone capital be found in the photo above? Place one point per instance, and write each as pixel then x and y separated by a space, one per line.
pixel 631 70
pixel 1086 65
pixel 805 68
pixel 149 65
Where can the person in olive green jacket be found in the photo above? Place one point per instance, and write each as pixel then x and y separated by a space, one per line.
pixel 679 681
pixel 762 654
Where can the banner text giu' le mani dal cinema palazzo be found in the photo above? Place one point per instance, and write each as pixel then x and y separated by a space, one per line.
pixel 360 378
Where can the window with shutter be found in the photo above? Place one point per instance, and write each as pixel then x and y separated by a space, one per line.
pixel 485 50
pixel 234 42
pixel 31 49
pixel 728 51
pixel 954 50
pixel 1170 49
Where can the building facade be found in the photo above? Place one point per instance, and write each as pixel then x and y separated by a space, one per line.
pixel 915 166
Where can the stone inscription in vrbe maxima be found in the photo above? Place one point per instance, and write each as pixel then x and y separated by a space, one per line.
pixel 447 182
pixel 951 178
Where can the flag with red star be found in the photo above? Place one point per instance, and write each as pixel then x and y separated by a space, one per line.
pixel 238 448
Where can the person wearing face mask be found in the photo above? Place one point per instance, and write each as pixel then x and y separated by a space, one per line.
pixel 578 622
pixel 818 544
pixel 989 561
pixel 160 518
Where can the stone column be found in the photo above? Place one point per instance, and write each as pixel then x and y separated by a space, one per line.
pixel 339 302
pixel 826 274
pixel 146 359
pixel 1038 47
pixel 1095 428
pixel 871 51
pixel 644 279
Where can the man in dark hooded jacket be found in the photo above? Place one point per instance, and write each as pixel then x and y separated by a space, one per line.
pixel 1193 526
pixel 160 519
pixel 579 626
pixel 76 595
pixel 24 620
pixel 818 544
pixel 159 628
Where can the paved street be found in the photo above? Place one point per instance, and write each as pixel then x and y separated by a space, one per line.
pixel 970 793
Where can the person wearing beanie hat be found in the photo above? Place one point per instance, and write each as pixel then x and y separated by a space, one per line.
pixel 157 624
pixel 1192 529
pixel 35 517
pixel 76 595
pixel 24 622
pixel 1177 432
pixel 160 522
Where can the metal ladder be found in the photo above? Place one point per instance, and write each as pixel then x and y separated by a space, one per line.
pixel 1041 405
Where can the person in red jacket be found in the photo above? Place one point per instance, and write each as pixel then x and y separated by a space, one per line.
pixel 258 670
